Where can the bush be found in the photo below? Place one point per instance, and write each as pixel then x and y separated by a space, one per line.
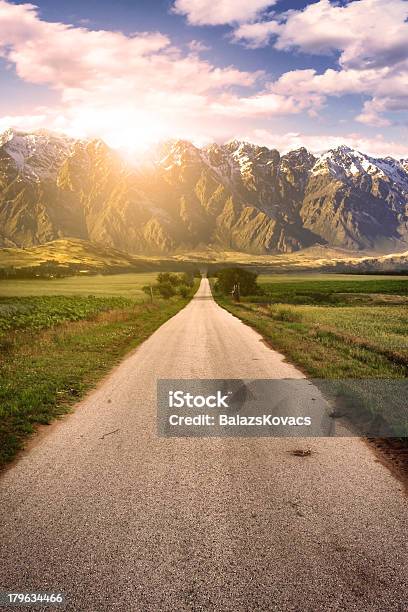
pixel 228 277
pixel 164 278
pixel 282 313
pixel 147 289
pixel 187 279
pixel 184 291
pixel 169 284
pixel 166 290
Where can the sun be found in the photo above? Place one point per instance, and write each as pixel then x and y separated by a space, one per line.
pixel 136 137
pixel 126 129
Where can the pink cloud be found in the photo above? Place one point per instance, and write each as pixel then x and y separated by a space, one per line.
pixel 143 78
pixel 197 46
pixel 370 38
pixel 129 89
pixel 208 12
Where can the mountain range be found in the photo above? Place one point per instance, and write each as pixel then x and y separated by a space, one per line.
pixel 236 196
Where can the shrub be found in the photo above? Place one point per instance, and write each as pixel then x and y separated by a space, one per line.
pixel 282 313
pixel 147 289
pixel 166 290
pixel 187 279
pixel 184 291
pixel 168 278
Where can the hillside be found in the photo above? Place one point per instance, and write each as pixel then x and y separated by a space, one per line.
pixel 233 197
pixel 69 257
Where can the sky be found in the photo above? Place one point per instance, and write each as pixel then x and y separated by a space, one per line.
pixel 282 74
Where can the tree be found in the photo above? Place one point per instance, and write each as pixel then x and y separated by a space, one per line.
pixel 168 277
pixel 166 290
pixel 228 278
pixel 187 279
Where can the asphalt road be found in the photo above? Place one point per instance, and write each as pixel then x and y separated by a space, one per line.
pixel 119 519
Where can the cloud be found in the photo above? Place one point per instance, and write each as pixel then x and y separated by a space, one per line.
pixel 365 33
pixel 257 34
pixel 136 89
pixel 368 38
pixel 197 46
pixel 220 12
pixel 387 88
pixel 25 122
pixel 373 110
pixel 71 58
pixel 110 83
pixel 371 113
pixel 264 104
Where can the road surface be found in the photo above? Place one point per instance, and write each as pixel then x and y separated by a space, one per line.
pixel 119 519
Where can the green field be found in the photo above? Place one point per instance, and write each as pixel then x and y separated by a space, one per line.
pixel 322 277
pixel 35 313
pixel 332 289
pixel 333 326
pixel 53 348
pixel 128 285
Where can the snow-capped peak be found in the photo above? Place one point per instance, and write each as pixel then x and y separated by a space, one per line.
pixel 347 163
pixel 6 136
pixel 178 153
pixel 38 154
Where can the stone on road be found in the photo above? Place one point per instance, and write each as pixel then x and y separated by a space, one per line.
pixel 130 521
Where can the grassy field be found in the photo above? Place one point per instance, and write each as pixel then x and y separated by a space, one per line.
pixel 328 342
pixel 339 327
pixel 36 313
pixel 53 348
pixel 70 256
pixel 266 279
pixel 333 327
pixel 129 285
pixel 332 289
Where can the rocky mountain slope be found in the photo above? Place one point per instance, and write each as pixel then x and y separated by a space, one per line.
pixel 236 196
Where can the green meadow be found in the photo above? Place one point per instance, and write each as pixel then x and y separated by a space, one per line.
pixel 333 326
pixel 336 327
pixel 127 285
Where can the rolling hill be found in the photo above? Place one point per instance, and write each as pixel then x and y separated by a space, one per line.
pixel 66 257
pixel 71 256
